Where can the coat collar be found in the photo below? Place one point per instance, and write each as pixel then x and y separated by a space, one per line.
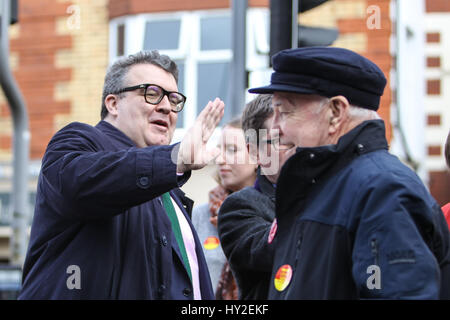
pixel 308 167
pixel 186 202
pixel 118 137
pixel 263 185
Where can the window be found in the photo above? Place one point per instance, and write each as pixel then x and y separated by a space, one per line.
pixel 213 81
pixel 210 28
pixel 162 35
pixel 6 208
pixel 201 44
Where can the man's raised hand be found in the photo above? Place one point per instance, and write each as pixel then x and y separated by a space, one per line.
pixel 193 153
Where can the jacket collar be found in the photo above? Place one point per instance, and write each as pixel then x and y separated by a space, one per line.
pixel 186 202
pixel 118 137
pixel 309 166
pixel 263 185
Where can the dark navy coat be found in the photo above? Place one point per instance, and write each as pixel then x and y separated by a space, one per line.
pixel 345 210
pixel 98 208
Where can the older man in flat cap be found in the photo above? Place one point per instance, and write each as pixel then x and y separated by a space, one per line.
pixel 352 220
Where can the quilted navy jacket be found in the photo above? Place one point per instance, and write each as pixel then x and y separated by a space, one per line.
pixel 356 223
pixel 98 209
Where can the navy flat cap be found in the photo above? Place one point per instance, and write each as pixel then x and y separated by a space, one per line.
pixel 329 72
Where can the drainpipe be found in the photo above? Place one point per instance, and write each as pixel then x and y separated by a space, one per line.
pixel 238 74
pixel 21 141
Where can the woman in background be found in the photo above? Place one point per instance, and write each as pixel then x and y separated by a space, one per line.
pixel 235 170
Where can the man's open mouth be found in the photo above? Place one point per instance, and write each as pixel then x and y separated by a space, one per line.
pixel 161 123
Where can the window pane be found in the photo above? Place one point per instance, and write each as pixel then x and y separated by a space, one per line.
pixel 162 35
pixel 5 212
pixel 180 65
pixel 212 83
pixel 215 33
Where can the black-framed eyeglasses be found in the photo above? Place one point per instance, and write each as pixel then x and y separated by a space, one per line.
pixel 153 94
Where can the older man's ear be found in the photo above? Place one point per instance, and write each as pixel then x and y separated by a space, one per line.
pixel 338 115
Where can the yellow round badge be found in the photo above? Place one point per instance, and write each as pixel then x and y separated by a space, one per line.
pixel 283 277
pixel 211 243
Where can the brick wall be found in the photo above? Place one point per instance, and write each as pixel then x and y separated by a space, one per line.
pixel 354 18
pixel 437 6
pixel 123 7
pixel 60 65
pixel 34 44
pixel 88 60
pixel 437 57
pixel 58 54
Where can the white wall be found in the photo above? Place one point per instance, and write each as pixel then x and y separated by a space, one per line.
pixel 200 183
pixel 408 79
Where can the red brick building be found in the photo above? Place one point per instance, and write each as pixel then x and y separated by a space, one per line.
pixel 438 94
pixel 50 51
pixel 60 50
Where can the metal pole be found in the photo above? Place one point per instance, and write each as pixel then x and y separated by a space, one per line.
pixel 238 76
pixel 21 141
pixel 280 25
pixel 294 26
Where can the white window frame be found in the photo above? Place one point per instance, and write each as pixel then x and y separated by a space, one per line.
pixel 189 49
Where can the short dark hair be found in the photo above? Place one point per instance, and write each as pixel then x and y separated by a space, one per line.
pixel 447 150
pixel 116 73
pixel 256 112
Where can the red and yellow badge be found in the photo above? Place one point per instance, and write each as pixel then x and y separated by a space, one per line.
pixel 273 231
pixel 283 277
pixel 211 243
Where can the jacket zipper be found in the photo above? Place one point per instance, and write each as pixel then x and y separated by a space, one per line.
pixel 297 253
pixel 294 266
pixel 374 245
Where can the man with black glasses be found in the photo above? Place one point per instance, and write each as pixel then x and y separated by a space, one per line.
pixel 110 221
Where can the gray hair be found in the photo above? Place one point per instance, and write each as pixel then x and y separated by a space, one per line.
pixel 354 112
pixel 360 113
pixel 115 75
